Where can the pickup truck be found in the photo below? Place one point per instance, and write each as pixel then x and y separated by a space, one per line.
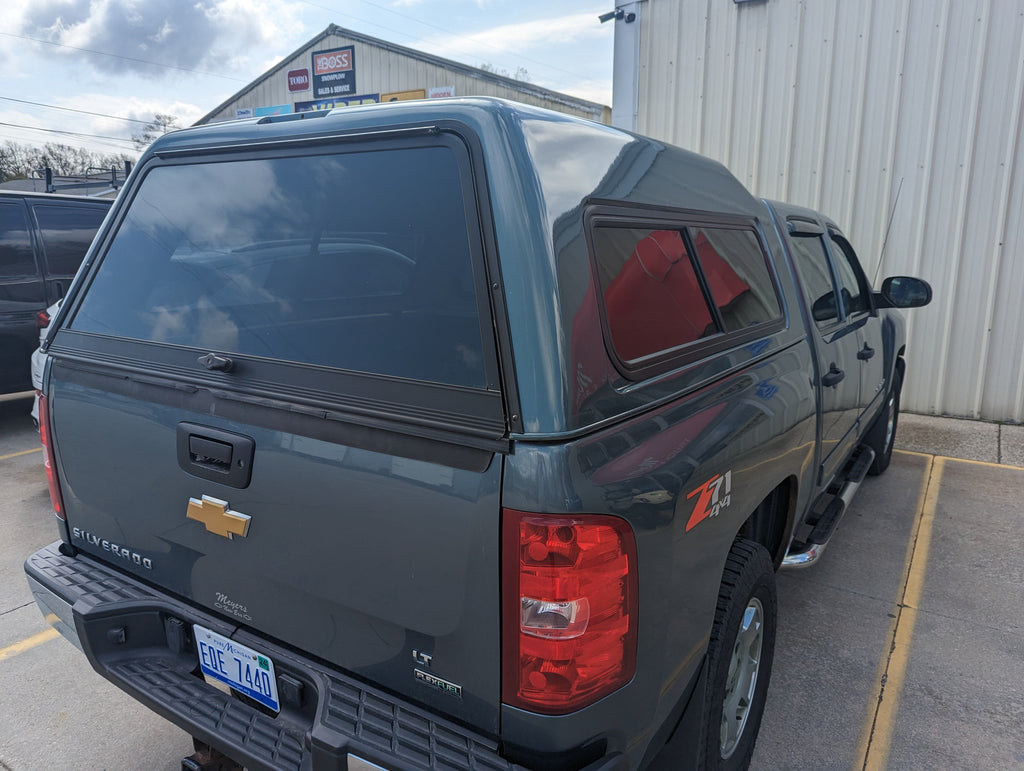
pixel 453 434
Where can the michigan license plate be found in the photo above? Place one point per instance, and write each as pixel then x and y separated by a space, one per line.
pixel 245 670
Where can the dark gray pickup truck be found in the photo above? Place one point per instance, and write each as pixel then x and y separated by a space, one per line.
pixel 453 434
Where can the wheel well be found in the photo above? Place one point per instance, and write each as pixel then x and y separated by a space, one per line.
pixel 770 522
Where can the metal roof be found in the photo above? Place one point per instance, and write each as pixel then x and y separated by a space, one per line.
pixel 474 72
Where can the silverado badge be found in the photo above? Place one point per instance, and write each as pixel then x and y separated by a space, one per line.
pixel 217 517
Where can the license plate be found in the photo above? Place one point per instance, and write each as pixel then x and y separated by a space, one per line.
pixel 244 669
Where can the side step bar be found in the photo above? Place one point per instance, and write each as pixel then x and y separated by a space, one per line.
pixel 803 555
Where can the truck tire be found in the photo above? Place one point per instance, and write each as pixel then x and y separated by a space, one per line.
pixel 882 435
pixel 739 657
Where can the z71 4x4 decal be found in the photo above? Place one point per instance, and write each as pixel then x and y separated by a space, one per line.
pixel 714 495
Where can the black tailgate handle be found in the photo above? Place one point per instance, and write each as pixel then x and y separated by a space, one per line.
pixel 215 455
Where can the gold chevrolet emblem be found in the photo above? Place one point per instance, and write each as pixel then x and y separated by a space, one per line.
pixel 217 517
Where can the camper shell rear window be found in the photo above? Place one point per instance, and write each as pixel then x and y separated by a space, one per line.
pixel 360 260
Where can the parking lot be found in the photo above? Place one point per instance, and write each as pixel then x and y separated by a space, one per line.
pixel 903 648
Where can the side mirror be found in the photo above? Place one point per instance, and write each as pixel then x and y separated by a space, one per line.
pixel 824 308
pixel 904 292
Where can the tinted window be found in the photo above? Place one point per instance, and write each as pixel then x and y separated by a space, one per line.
pixel 737 276
pixel 67 232
pixel 652 297
pixel 15 243
pixel 358 261
pixel 812 263
pixel 856 296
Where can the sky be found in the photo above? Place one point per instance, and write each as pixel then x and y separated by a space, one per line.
pixel 91 73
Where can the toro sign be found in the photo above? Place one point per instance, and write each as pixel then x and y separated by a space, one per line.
pixel 298 80
pixel 334 72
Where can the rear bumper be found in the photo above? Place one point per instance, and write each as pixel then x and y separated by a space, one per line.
pixel 142 641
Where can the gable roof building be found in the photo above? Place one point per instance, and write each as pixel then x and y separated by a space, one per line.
pixel 340 67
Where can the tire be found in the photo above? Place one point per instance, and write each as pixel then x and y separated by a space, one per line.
pixel 739 657
pixel 882 435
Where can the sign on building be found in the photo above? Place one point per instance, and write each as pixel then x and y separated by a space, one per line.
pixel 277 109
pixel 243 112
pixel 440 92
pixel 330 104
pixel 298 80
pixel 403 96
pixel 334 72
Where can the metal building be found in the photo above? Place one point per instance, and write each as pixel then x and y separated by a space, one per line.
pixel 339 68
pixel 901 119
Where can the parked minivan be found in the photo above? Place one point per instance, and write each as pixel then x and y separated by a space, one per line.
pixel 43 239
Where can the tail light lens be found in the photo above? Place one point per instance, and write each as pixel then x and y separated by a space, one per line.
pixel 49 461
pixel 569 609
pixel 42 319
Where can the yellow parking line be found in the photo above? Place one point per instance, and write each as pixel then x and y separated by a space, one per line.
pixel 18 454
pixel 876 736
pixel 987 463
pixel 29 642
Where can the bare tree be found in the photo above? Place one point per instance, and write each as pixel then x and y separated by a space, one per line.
pixel 157 127
pixel 521 73
pixel 19 161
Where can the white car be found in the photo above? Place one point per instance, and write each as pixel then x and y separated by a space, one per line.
pixel 39 360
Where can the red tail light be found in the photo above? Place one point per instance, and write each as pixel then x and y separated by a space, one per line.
pixel 42 319
pixel 49 461
pixel 569 609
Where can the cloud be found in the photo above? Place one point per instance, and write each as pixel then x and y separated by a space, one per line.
pixel 529 44
pixel 199 34
pixel 535 33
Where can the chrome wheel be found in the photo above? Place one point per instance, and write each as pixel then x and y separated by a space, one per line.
pixel 742 679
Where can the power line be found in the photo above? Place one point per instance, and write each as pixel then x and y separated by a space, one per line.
pixel 68 133
pixel 70 109
pixel 125 58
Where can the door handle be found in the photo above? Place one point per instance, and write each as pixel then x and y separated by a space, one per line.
pixel 833 376
pixel 865 353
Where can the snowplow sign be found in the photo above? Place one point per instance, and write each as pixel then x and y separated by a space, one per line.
pixel 334 72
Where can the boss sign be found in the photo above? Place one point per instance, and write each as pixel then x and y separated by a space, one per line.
pixel 326 62
pixel 334 73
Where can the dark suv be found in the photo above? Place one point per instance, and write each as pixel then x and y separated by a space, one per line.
pixel 43 239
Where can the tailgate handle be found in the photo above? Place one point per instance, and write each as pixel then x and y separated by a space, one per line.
pixel 207 452
pixel 216 455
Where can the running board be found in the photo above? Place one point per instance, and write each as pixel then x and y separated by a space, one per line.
pixel 803 555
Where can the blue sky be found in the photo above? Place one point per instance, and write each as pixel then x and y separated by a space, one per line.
pixel 124 60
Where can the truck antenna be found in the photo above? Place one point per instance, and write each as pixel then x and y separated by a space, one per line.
pixel 885 240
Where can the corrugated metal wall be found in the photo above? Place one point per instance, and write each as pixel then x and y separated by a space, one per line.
pixel 867 109
pixel 383 69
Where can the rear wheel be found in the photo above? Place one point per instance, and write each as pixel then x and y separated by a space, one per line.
pixel 739 657
pixel 882 435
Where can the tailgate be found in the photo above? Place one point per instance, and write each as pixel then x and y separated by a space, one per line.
pixel 289 413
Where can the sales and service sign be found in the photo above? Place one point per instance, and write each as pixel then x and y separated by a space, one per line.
pixel 334 72
pixel 298 80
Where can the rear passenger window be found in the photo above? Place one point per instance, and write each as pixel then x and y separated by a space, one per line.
pixel 816 277
pixel 358 261
pixel 67 232
pixel 664 289
pixel 16 257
